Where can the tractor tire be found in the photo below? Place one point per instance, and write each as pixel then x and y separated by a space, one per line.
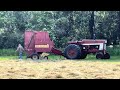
pixel 99 56
pixel 34 56
pixel 72 51
pixel 107 56
pixel 83 56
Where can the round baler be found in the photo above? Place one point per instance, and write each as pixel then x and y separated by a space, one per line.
pixel 36 43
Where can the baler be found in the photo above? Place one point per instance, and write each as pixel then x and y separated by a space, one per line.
pixel 38 42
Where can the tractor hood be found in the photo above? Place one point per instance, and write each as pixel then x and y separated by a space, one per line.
pixel 88 41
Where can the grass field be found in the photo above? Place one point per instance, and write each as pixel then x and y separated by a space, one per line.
pixel 59 68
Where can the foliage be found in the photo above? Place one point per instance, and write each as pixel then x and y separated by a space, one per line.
pixel 63 26
pixel 115 51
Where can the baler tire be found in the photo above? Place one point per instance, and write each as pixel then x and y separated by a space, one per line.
pixel 107 56
pixel 32 56
pixel 72 49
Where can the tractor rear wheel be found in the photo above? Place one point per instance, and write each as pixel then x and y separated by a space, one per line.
pixel 107 56
pixel 35 56
pixel 99 56
pixel 72 51
pixel 84 55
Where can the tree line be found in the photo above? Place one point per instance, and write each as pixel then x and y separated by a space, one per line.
pixel 63 26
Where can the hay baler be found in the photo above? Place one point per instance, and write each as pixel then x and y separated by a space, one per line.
pixel 38 42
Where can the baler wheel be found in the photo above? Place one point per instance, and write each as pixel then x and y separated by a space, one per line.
pixel 35 56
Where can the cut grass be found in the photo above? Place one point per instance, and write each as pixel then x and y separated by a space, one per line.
pixel 66 69
pixel 57 68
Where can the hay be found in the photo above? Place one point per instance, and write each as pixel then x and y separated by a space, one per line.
pixel 66 69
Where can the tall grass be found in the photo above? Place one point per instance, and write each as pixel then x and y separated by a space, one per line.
pixel 115 51
pixel 8 52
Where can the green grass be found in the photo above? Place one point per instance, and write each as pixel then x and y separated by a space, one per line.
pixel 10 57
pixel 112 59
pixel 8 52
pixel 59 58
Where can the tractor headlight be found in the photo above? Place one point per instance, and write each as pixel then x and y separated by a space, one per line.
pixel 83 47
pixel 105 41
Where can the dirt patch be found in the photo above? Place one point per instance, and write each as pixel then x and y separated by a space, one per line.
pixel 66 69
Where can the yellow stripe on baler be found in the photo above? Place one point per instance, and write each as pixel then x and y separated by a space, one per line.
pixel 42 46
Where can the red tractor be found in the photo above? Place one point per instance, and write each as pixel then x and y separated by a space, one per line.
pixel 38 42
pixel 80 49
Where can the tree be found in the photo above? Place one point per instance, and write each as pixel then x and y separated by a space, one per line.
pixel 61 25
pixel 118 31
pixel 91 24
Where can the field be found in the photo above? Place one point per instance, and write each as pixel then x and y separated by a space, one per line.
pixel 59 68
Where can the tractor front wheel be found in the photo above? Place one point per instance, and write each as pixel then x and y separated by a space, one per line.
pixel 99 56
pixel 107 56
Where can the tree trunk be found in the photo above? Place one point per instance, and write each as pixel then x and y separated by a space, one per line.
pixel 91 25
pixel 118 25
pixel 71 24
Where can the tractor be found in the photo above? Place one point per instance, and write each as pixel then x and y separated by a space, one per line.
pixel 80 49
pixel 38 42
